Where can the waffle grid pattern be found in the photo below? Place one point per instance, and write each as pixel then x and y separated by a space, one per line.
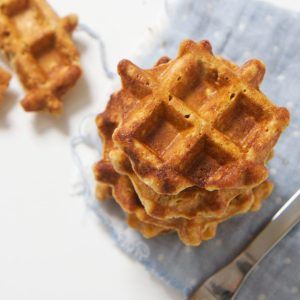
pixel 198 122
pixel 37 43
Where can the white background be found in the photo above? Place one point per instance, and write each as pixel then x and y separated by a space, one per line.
pixel 51 247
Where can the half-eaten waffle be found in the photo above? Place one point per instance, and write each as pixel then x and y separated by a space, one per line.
pixel 38 45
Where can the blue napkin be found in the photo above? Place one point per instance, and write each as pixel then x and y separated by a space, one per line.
pixel 238 30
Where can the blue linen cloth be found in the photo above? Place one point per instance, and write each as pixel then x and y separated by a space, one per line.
pixel 238 30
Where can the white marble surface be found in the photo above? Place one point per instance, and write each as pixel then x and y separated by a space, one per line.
pixel 51 246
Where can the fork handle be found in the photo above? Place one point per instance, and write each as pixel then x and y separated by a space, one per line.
pixel 229 280
pixel 224 284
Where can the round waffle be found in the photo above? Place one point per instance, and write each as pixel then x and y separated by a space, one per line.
pixel 198 120
pixel 38 45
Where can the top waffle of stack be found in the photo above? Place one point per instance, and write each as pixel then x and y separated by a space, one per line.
pixel 198 121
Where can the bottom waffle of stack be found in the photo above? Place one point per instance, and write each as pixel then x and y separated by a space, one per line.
pixel 193 214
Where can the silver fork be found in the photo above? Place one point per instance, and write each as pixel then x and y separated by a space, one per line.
pixel 225 284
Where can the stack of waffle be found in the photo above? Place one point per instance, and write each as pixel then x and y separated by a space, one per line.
pixel 186 143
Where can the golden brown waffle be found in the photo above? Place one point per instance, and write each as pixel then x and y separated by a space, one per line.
pixel 191 232
pixel 188 203
pixel 37 43
pixel 198 120
pixel 4 81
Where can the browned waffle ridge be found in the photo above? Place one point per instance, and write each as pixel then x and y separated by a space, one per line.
pixel 198 120
pixel 37 43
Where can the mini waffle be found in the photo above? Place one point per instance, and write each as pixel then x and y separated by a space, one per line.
pixel 198 120
pixel 37 43
pixel 4 81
